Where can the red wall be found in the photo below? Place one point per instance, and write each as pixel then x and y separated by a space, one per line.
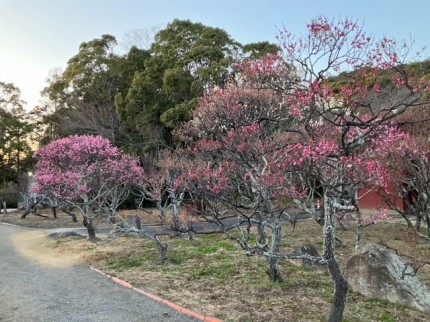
pixel 371 200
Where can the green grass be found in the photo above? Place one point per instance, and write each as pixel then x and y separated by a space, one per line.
pixel 204 249
pixel 122 264
pixel 387 317
pixel 213 272
pixel 176 258
pixel 218 273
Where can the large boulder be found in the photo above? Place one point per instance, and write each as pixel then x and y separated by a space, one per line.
pixel 379 273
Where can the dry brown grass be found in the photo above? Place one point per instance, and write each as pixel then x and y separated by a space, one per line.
pixel 35 245
pixel 214 277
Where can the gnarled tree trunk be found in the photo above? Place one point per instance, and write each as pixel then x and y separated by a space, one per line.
pixel 340 282
pixel 88 223
pixel 273 269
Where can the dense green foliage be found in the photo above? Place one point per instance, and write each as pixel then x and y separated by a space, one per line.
pixel 14 134
pixel 84 94
pixel 185 59
pixel 138 98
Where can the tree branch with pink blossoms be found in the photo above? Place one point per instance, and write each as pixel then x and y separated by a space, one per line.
pixel 285 125
pixel 88 173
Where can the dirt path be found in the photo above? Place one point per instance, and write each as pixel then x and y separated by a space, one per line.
pixel 33 245
pixel 36 284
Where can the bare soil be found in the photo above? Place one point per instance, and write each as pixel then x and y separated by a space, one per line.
pixel 35 245
pixel 211 275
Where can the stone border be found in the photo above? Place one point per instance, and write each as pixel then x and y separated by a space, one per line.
pixel 159 299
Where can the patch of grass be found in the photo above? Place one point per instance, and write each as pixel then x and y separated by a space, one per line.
pixel 176 258
pixel 387 317
pixel 205 249
pixel 326 293
pixel 122 264
pixel 369 303
pixel 218 273
pixel 59 242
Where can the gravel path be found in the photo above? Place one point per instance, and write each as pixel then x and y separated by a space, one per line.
pixel 32 292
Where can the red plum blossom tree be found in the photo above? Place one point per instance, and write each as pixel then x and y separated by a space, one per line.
pixel 284 126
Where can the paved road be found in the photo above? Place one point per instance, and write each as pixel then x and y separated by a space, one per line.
pixel 167 229
pixel 31 292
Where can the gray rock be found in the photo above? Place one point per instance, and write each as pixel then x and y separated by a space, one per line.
pixel 307 250
pixel 379 273
pixel 64 234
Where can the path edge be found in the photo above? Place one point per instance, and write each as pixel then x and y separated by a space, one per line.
pixel 170 304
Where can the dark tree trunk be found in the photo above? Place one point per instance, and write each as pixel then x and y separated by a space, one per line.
pixel 163 248
pixel 164 251
pixel 340 282
pixel 74 219
pixel 428 224
pixel 177 222
pixel 340 294
pixel 29 208
pixel 54 211
pixel 273 262
pixel 163 214
pixel 90 228
pixel 418 223
pixel 29 211
pixel 262 236
pixel 273 270
pixel 190 236
pixel 71 214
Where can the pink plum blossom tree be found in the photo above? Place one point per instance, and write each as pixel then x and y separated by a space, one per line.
pixel 160 187
pixel 88 173
pixel 410 182
pixel 283 127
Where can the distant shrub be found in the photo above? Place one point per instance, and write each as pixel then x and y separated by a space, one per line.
pixel 10 195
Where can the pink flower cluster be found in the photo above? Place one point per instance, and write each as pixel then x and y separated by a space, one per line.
pixel 282 118
pixel 380 215
pixel 74 166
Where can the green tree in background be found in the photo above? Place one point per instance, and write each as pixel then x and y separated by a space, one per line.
pixel 81 100
pixel 84 94
pixel 257 50
pixel 186 59
pixel 15 130
pixel 137 99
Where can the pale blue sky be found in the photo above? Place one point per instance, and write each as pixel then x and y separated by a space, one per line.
pixel 38 35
